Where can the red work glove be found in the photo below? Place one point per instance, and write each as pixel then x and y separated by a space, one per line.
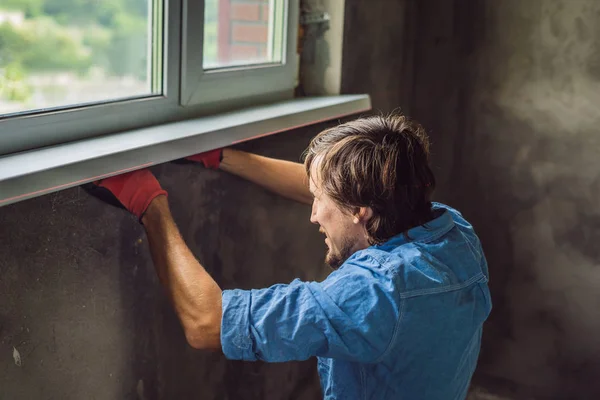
pixel 210 159
pixel 134 190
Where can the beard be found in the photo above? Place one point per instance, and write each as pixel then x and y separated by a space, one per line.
pixel 335 259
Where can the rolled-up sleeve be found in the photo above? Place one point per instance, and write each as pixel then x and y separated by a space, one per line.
pixel 235 325
pixel 351 315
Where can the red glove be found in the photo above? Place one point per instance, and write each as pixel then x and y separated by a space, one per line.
pixel 210 159
pixel 135 190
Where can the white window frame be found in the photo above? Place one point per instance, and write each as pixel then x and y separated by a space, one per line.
pixel 188 91
pixel 201 86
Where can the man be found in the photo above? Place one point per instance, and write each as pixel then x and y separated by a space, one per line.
pixel 401 315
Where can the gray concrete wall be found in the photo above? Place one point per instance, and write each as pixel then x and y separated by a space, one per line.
pixel 510 91
pixel 377 52
pixel 80 303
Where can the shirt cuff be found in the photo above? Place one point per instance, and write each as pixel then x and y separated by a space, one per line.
pixel 236 340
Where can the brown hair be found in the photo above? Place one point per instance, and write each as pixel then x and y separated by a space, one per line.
pixel 378 162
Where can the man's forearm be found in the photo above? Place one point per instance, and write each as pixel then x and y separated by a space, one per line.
pixel 195 295
pixel 285 178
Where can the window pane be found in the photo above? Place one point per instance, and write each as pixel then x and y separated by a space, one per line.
pixel 61 53
pixel 243 32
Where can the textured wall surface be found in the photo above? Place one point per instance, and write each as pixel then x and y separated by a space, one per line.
pixel 80 303
pixel 377 51
pixel 510 91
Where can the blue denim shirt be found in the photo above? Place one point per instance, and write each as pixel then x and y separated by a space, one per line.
pixel 401 320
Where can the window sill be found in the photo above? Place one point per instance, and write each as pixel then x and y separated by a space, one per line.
pixel 39 172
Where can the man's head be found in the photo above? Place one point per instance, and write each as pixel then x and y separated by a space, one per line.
pixel 371 181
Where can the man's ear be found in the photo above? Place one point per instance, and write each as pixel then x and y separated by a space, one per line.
pixel 363 214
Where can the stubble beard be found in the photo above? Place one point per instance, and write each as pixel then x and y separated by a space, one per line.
pixel 336 259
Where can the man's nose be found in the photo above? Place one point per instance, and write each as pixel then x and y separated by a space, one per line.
pixel 313 215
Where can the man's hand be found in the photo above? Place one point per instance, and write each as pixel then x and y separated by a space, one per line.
pixel 134 190
pixel 210 159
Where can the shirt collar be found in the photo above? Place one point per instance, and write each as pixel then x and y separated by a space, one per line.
pixel 428 232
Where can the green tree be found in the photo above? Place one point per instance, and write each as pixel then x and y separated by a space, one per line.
pixel 51 47
pixel 83 12
pixel 31 8
pixel 41 45
pixel 128 50
pixel 138 8
pixel 13 83
pixel 12 44
pixel 73 35
pixel 98 39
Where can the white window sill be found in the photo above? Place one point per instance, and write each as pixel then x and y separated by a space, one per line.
pixel 39 172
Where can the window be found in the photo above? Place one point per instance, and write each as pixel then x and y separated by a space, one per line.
pixel 93 88
pixel 247 48
pixel 74 69
pixel 238 33
pixel 61 53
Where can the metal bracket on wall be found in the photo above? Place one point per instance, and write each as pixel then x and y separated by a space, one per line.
pixel 313 27
pixel 312 18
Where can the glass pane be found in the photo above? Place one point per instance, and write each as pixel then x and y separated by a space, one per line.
pixel 62 53
pixel 243 32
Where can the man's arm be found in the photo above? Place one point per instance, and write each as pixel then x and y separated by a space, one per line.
pixel 285 178
pixel 352 315
pixel 196 297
